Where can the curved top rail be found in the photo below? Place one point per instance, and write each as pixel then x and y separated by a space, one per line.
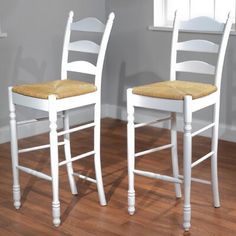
pixel 89 24
pixel 202 23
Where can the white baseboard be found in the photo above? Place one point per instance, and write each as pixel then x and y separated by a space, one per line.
pixel 226 132
pixel 76 117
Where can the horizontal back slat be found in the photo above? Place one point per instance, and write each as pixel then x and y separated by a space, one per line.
pixel 195 67
pixel 198 45
pixel 82 67
pixel 202 23
pixel 84 46
pixel 89 24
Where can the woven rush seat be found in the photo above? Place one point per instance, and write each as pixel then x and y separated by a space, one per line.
pixel 175 89
pixel 60 88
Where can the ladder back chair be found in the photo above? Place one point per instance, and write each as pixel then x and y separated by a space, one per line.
pixel 58 98
pixel 184 97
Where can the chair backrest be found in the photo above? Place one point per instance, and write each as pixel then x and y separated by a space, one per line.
pixel 92 25
pixel 197 26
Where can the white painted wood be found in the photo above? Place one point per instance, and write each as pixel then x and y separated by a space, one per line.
pixel 198 45
pixel 76 158
pixel 152 122
pixel 130 152
pixel 34 103
pixel 24 122
pixel 158 104
pixel 103 46
pixel 54 106
pixel 65 50
pixel 85 178
pixel 77 101
pixel 97 154
pixel 198 67
pixel 174 154
pixel 84 46
pixel 202 181
pixel 187 160
pixel 200 160
pixel 38 147
pixel 222 51
pixel 153 150
pixel 202 23
pixel 185 107
pixel 173 56
pixel 14 151
pixel 206 101
pixel 157 176
pixel 35 173
pixel 67 151
pixel 203 129
pixel 214 157
pixel 69 131
pixel 89 24
pixel 62 104
pixel 54 160
pixel 82 67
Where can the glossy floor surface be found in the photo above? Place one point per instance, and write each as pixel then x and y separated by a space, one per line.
pixel 157 210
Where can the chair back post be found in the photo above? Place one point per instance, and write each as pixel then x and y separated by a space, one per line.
pixel 102 51
pixel 173 57
pixel 222 50
pixel 65 50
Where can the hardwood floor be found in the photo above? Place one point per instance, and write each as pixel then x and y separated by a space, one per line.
pixel 157 210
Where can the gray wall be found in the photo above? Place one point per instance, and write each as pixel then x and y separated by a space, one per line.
pixel 32 50
pixel 138 55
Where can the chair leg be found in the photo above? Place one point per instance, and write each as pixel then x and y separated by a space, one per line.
pixel 97 157
pixel 174 154
pixel 54 160
pixel 67 149
pixel 131 152
pixel 187 161
pixel 214 147
pixel 14 153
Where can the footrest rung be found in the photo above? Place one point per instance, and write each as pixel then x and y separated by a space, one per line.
pixel 203 181
pixel 203 129
pixel 77 158
pixel 85 178
pixel 25 122
pixel 76 129
pixel 35 173
pixel 153 150
pixel 152 122
pixel 157 176
pixel 38 147
pixel 202 159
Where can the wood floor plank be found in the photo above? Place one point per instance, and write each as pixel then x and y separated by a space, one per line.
pixel 158 212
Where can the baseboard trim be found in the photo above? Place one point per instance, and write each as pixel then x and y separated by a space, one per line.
pixel 226 132
pixel 76 117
